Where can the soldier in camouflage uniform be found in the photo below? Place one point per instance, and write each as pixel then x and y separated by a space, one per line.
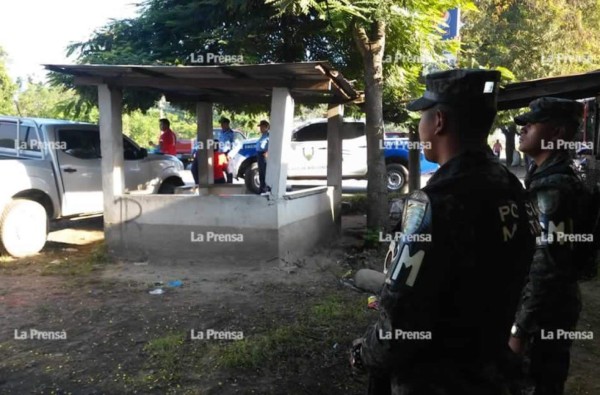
pixel 550 303
pixel 456 273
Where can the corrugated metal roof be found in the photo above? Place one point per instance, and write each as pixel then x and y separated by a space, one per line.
pixel 309 82
pixel 575 86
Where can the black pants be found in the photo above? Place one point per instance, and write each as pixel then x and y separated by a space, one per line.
pixel 229 175
pixel 262 171
pixel 194 169
pixel 550 360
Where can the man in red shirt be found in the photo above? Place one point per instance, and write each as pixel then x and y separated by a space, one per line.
pixel 167 139
pixel 219 166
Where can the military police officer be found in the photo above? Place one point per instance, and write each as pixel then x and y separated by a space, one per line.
pixel 550 302
pixel 454 281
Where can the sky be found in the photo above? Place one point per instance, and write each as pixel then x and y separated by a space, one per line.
pixel 35 32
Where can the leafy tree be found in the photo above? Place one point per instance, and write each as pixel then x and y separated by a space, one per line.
pixel 167 32
pixel 353 35
pixel 409 28
pixel 37 99
pixel 7 87
pixel 533 39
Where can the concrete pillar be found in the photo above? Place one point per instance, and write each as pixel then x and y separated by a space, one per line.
pixel 111 144
pixel 280 136
pixel 335 114
pixel 204 124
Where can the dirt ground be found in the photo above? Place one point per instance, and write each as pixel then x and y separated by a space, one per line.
pixel 296 322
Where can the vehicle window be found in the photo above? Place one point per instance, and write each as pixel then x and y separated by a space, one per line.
pixel 352 130
pixel 313 132
pixel 82 144
pixel 8 134
pixel 130 151
pixel 128 145
pixel 238 136
pixel 28 139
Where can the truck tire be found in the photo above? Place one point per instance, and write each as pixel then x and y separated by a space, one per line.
pixel 23 228
pixel 168 186
pixel 251 178
pixel 397 175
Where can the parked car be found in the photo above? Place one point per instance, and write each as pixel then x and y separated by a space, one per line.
pixel 396 135
pixel 238 138
pixel 308 158
pixel 52 168
pixel 184 149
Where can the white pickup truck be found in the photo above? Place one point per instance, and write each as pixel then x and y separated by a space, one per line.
pixel 51 169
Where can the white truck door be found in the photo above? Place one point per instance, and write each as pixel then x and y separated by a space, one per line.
pixel 138 170
pixel 354 149
pixel 79 163
pixel 309 151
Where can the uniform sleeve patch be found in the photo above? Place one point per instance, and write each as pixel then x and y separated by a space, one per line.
pixel 414 212
pixel 548 201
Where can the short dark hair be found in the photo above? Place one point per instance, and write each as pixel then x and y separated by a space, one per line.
pixel 571 126
pixel 472 122
pixel 165 121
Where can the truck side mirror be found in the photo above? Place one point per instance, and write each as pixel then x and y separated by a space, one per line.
pixel 143 153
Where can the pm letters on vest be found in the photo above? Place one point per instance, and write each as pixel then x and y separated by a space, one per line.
pixel 413 263
pixel 509 216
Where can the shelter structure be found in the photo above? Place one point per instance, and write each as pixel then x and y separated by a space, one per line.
pixel 222 220
pixel 584 86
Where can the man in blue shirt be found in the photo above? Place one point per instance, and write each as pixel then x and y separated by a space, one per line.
pixel 262 148
pixel 226 139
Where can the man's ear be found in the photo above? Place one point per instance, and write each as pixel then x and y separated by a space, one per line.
pixel 440 122
pixel 564 133
pixel 559 132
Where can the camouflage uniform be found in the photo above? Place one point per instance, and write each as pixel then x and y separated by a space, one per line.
pixel 551 298
pixel 449 300
pixel 551 301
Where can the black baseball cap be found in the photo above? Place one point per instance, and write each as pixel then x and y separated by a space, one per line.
pixel 459 87
pixel 551 108
pixel 224 120
pixel 263 123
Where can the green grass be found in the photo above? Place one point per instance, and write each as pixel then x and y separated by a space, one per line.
pixel 77 266
pixel 317 328
pixel 259 350
pixel 56 262
pixel 6 259
pixel 100 255
pixel 337 309
pixel 357 203
pixel 165 353
pixel 334 318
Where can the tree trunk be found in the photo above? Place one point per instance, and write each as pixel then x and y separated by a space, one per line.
pixel 371 49
pixel 509 133
pixel 414 162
